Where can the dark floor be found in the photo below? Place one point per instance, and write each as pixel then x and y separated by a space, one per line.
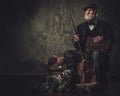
pixel 27 86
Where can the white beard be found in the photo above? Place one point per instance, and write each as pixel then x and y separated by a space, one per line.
pixel 89 17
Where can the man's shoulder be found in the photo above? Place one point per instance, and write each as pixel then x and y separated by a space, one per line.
pixel 82 24
pixel 104 23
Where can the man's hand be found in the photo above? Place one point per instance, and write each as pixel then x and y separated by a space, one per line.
pixel 76 38
pixel 97 39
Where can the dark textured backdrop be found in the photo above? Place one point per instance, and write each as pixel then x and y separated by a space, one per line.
pixel 33 30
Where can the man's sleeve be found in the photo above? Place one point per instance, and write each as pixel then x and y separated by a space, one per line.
pixel 76 44
pixel 109 39
pixel 109 34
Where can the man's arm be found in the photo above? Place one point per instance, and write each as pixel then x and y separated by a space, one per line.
pixel 109 35
pixel 109 38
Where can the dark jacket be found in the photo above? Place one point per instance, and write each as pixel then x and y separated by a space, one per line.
pixel 102 28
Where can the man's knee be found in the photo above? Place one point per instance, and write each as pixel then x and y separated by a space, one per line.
pixel 96 54
pixel 96 58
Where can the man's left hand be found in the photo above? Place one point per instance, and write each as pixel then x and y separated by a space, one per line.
pixel 97 39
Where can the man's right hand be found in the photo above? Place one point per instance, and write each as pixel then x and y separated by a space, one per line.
pixel 76 38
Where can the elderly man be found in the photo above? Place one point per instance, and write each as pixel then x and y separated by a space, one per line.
pixel 98 31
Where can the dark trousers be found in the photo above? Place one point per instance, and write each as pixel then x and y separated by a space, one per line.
pixel 98 59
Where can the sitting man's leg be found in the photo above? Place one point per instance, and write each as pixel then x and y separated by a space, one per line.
pixel 97 58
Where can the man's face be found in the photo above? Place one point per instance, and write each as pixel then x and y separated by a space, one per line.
pixel 90 14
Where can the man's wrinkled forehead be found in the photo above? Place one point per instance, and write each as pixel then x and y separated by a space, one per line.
pixel 90 9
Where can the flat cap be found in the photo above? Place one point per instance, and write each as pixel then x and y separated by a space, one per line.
pixel 92 5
